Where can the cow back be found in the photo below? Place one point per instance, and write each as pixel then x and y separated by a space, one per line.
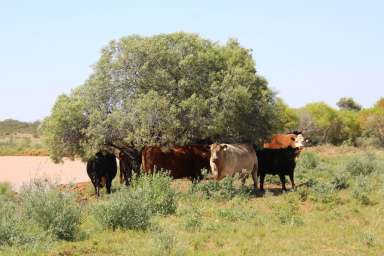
pixel 186 161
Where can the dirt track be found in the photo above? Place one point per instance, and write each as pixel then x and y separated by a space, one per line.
pixel 20 169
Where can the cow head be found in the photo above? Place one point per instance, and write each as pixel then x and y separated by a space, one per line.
pixel 217 154
pixel 297 140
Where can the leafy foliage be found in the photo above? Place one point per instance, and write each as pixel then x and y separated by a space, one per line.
pixel 348 104
pixel 166 89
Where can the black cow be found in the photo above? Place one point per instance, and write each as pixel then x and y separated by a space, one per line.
pixel 102 169
pixel 277 161
pixel 129 160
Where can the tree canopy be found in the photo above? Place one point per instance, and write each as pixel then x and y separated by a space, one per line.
pixel 168 89
pixel 348 104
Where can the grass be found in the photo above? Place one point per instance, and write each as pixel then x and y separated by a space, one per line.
pixel 326 215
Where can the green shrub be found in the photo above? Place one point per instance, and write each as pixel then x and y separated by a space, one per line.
pixel 193 220
pixel 55 211
pixel 308 160
pixel 361 189
pixel 6 192
pixel 156 192
pixel 124 209
pixel 368 238
pixel 11 229
pixel 165 242
pixel 323 193
pixel 303 193
pixel 223 190
pixel 234 214
pixel 339 182
pixel 361 165
pixel 288 212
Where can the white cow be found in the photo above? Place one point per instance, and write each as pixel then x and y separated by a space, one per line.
pixel 229 159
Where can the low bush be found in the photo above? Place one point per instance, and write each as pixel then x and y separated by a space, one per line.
pixel 164 242
pixel 124 209
pixel 361 189
pixel 323 193
pixel 288 212
pixel 361 165
pixel 222 190
pixel 11 229
pixel 193 220
pixel 308 160
pixel 156 192
pixel 54 211
pixel 6 192
pixel 339 182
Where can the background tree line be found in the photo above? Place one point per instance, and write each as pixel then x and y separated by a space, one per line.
pixel 349 124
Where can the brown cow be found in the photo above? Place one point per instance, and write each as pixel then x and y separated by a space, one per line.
pixel 229 159
pixel 185 161
pixel 293 140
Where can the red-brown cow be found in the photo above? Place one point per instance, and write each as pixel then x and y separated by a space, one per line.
pixel 185 161
pixel 293 140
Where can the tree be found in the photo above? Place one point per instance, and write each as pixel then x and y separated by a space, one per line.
pixel 320 123
pixel 348 104
pixel 166 89
pixel 372 122
pixel 288 118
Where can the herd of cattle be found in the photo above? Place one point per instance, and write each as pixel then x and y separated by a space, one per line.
pixel 276 157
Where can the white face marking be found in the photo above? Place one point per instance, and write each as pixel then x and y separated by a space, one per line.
pixel 299 141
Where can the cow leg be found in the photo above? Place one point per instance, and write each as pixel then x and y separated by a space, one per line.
pixel 121 176
pixel 292 181
pixel 262 176
pixel 254 177
pixel 128 176
pixel 243 179
pixel 108 185
pixel 96 183
pixel 282 179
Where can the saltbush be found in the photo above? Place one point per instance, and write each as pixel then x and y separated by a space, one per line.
pixel 308 160
pixel 54 211
pixel 222 190
pixel 124 209
pixel 288 212
pixel 156 192
pixel 340 182
pixel 322 192
pixel 11 229
pixel 361 165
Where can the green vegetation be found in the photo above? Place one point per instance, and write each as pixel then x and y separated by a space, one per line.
pixel 335 210
pixel 166 89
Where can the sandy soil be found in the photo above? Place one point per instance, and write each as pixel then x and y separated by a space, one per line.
pixel 21 169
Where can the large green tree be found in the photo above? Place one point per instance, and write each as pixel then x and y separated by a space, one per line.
pixel 166 89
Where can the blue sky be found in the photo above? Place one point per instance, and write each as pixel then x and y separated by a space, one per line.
pixel 308 50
